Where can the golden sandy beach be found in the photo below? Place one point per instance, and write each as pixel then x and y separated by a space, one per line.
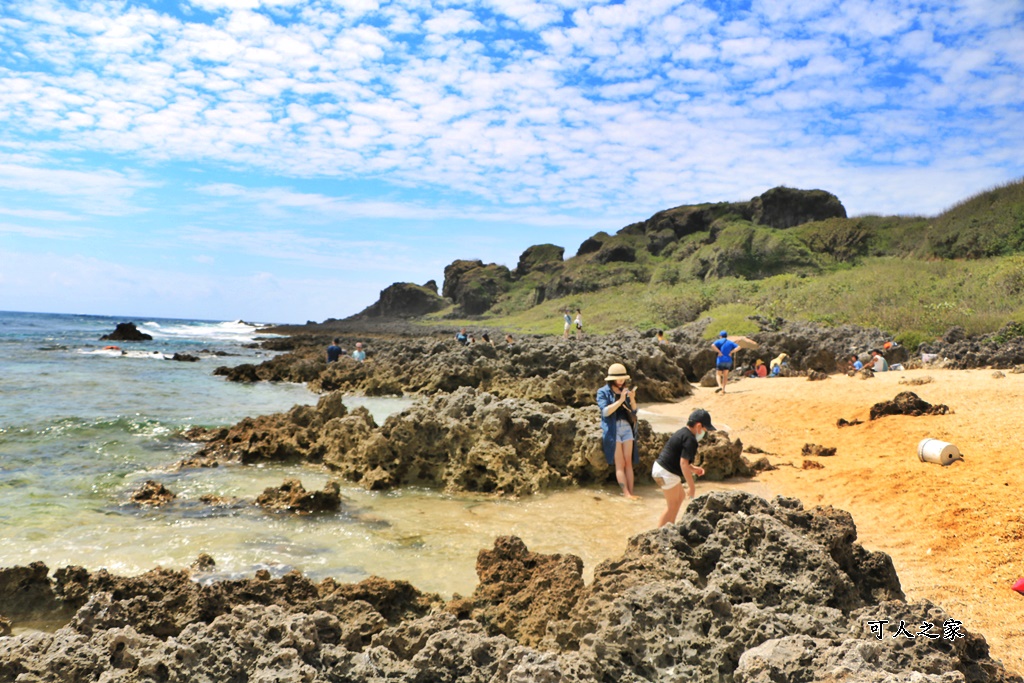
pixel 956 533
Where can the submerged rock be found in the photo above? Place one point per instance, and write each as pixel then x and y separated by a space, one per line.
pixel 742 590
pixel 291 496
pixel 152 493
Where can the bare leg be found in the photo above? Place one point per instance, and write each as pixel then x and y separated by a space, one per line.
pixel 725 379
pixel 673 501
pixel 627 457
pixel 624 467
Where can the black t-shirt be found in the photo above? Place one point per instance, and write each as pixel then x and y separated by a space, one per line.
pixel 682 444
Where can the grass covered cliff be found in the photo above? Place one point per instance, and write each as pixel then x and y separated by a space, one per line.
pixel 788 253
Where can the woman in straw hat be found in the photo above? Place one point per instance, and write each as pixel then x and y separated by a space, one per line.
pixel 618 405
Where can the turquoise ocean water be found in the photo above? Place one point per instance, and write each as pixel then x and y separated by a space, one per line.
pixel 82 427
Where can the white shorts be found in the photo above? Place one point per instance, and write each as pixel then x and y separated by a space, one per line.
pixel 671 480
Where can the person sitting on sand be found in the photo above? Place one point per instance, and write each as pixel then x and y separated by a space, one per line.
pixel 760 369
pixel 618 423
pixel 775 367
pixel 334 351
pixel 726 349
pixel 359 354
pixel 878 361
pixel 855 363
pixel 676 462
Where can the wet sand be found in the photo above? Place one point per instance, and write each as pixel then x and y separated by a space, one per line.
pixel 955 533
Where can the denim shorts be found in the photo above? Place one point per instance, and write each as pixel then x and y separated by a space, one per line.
pixel 623 431
pixel 724 365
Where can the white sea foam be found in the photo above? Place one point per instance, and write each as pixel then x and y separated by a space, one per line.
pixel 232 331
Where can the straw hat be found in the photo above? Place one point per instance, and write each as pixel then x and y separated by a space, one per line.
pixel 616 371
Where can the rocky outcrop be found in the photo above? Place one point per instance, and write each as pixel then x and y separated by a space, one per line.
pixel 152 493
pixel 126 332
pixel 742 590
pixel 473 286
pixel 465 441
pixel 291 496
pixel 907 403
pixel 539 257
pixel 543 368
pixel 405 300
pixel 1001 350
pixel 785 207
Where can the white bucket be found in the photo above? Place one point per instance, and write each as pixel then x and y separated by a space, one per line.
pixel 933 450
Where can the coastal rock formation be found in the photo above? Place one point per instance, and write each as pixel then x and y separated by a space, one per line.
pixel 907 403
pixel 291 496
pixel 742 590
pixel 473 286
pixel 405 300
pixel 126 332
pixel 543 368
pixel 152 493
pixel 464 441
pixel 1000 350
pixel 722 458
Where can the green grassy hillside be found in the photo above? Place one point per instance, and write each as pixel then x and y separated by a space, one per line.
pixel 912 276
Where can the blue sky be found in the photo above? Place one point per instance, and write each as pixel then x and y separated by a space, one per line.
pixel 285 160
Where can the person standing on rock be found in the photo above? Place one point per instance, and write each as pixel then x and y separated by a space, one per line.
pixel 725 348
pixel 618 425
pixel 567 317
pixel 675 462
pixel 334 351
pixel 579 323
pixel 359 354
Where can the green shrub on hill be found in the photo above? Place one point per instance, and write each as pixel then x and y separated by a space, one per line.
pixel 988 224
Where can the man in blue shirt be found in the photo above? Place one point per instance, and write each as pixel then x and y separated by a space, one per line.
pixel 334 352
pixel 725 348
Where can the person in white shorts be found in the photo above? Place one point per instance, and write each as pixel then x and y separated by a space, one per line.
pixel 676 462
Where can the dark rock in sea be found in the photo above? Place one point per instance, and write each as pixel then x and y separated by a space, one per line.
pixel 126 332
pixel 907 403
pixel 465 441
pixel 152 493
pixel 185 357
pixel 291 496
pixel 203 563
pixel 405 300
pixel 742 590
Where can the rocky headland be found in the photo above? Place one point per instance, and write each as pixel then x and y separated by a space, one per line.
pixel 740 590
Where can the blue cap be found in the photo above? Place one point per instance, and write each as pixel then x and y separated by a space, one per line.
pixel 723 333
